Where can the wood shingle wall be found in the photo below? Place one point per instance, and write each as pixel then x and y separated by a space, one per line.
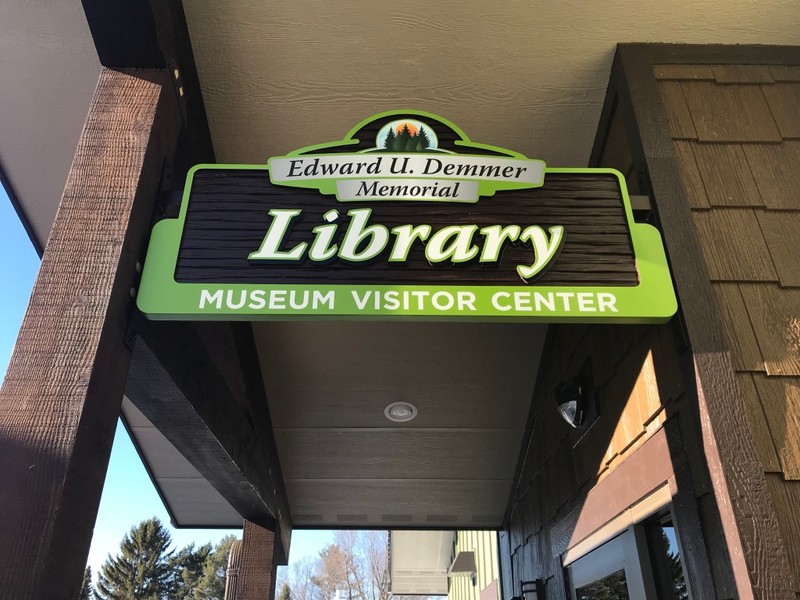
pixel 637 382
pixel 736 130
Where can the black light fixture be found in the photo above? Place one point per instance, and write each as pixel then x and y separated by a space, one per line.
pixel 532 590
pixel 571 398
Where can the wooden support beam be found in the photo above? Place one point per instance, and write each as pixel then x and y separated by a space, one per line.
pixel 124 33
pixel 154 34
pixel 61 396
pixel 200 385
pixel 228 411
pixel 176 47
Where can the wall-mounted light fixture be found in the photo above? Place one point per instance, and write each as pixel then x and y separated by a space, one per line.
pixel 571 398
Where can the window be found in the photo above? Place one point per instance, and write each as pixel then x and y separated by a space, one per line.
pixel 610 587
pixel 636 555
pixel 665 556
pixel 613 571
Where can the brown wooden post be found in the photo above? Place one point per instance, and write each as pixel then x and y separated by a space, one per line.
pixel 257 565
pixel 61 396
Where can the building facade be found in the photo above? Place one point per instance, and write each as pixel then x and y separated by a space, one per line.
pixel 677 473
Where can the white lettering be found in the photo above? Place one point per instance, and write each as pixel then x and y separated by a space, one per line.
pixel 544 250
pixel 466 300
pixel 257 301
pixel 269 249
pixel 586 302
pixel 206 297
pixel 496 301
pixel 328 299
pixel 607 301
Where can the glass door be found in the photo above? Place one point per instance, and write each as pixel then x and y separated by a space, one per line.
pixel 613 571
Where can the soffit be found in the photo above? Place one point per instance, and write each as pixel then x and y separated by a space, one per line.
pixel 345 464
pixel 188 497
pixel 49 70
pixel 418 562
pixel 530 76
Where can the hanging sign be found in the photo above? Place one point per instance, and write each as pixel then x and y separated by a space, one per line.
pixel 405 217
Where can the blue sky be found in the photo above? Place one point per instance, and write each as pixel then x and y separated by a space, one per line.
pixel 128 495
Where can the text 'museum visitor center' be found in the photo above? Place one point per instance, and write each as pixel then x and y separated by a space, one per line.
pixel 525 267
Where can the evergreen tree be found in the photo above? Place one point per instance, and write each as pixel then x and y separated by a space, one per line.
pixel 403 138
pixel 87 591
pixel 142 569
pixel 390 137
pixel 187 567
pixel 422 139
pixel 285 593
pixel 212 584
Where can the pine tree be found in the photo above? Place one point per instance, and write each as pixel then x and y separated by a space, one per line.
pixel 142 569
pixel 187 568
pixel 403 138
pixel 212 585
pixel 422 139
pixel 285 593
pixel 390 137
pixel 87 591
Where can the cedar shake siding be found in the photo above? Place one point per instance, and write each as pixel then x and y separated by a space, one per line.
pixel 708 404
pixel 736 131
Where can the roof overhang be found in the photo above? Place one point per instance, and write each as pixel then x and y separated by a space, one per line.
pixel 418 562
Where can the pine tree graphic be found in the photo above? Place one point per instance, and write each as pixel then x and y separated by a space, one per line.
pixel 407 141
pixel 423 142
pixel 403 139
pixel 390 138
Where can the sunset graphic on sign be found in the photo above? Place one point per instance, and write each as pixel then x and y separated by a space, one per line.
pixel 406 135
pixel 406 125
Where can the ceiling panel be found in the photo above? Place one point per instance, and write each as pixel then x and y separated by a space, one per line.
pixel 190 500
pixel 195 503
pixel 398 503
pixel 418 561
pixel 343 374
pixel 404 453
pixel 49 71
pixel 346 464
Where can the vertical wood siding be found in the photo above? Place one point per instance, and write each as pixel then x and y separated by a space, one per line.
pixel 484 545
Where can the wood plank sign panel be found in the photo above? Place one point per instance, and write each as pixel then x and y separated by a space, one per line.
pixel 405 218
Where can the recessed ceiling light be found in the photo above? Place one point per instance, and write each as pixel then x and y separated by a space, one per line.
pixel 400 412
